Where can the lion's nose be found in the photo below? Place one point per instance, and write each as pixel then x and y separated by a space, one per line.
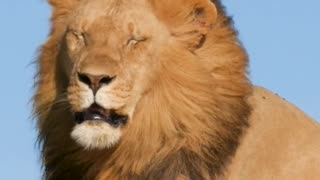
pixel 94 81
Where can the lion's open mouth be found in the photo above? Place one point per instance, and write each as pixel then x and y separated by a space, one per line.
pixel 97 113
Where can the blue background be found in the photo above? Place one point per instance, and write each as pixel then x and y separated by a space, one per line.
pixel 282 38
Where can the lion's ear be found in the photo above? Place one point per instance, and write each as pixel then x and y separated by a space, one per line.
pixel 188 20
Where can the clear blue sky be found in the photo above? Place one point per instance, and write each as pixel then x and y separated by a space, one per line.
pixel 281 36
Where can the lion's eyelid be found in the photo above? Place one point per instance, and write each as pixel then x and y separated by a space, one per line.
pixel 135 40
pixel 80 36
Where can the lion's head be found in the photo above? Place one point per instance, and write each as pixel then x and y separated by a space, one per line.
pixel 112 56
pixel 140 75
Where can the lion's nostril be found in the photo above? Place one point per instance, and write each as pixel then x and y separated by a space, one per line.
pixel 94 81
pixel 84 78
pixel 106 80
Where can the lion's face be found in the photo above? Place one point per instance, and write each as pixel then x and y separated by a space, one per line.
pixel 110 55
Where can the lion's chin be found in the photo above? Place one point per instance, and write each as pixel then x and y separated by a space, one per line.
pixel 95 135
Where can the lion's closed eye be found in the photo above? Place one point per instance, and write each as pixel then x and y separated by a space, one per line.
pixel 134 41
pixel 75 39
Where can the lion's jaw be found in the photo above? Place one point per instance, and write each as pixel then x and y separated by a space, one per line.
pixel 91 133
pixel 99 46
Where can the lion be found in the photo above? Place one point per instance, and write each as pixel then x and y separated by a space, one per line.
pixel 149 89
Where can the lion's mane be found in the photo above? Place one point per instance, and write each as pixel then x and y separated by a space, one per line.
pixel 188 125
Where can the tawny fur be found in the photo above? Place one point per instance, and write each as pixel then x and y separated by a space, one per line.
pixel 187 103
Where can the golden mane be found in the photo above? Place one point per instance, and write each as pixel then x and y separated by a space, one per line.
pixel 188 124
